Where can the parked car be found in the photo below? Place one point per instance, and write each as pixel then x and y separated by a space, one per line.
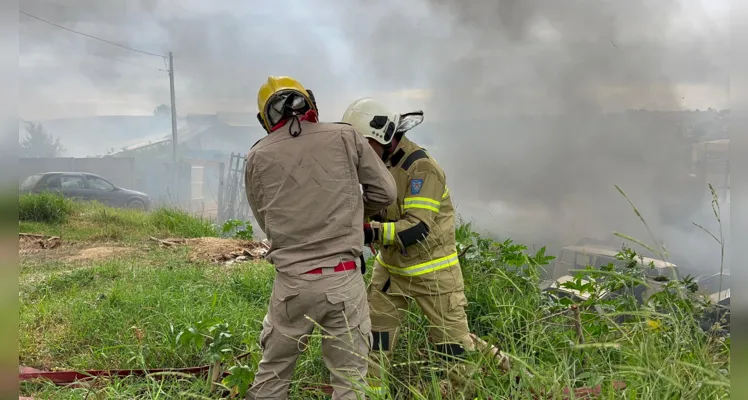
pixel 85 186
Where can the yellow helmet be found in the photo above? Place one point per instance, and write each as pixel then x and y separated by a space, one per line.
pixel 277 95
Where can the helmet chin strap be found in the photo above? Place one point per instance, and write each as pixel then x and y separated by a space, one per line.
pixel 388 151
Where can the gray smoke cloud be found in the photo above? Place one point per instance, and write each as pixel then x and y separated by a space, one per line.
pixel 524 98
pixel 223 51
pixel 494 67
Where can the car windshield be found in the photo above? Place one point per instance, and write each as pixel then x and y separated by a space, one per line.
pixel 30 182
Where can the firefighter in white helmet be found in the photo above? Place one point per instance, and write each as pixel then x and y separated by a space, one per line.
pixel 417 257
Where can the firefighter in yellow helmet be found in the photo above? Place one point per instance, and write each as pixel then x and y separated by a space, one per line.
pixel 417 257
pixel 303 183
pixel 282 99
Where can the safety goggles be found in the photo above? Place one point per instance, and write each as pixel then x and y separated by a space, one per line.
pixel 284 104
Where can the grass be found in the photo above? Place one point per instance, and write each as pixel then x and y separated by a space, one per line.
pixel 127 311
pixel 44 208
pixel 90 221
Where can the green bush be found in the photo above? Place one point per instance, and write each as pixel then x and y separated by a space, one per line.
pixel 45 207
pixel 182 224
pixel 238 229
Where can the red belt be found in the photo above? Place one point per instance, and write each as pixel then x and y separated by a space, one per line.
pixel 344 266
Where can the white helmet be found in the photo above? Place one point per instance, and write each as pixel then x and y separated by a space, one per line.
pixel 372 119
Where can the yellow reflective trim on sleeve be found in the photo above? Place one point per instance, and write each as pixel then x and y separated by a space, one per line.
pixel 423 268
pixel 446 193
pixel 378 390
pixel 388 233
pixel 421 202
pixel 425 207
pixel 424 200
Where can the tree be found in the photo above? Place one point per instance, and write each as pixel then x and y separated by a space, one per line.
pixel 39 143
pixel 162 111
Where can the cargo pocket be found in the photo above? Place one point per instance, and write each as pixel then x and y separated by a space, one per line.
pixel 457 300
pixel 267 329
pixel 458 330
pixel 365 329
pixel 350 308
pixel 286 309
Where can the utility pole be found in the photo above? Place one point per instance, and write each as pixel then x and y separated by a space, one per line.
pixel 173 109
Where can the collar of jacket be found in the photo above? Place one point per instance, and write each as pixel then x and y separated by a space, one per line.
pixel 399 152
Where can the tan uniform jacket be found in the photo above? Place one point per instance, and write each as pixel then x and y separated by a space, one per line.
pixel 306 194
pixel 417 234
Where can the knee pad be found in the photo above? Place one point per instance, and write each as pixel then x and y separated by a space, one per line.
pixel 450 351
pixel 381 341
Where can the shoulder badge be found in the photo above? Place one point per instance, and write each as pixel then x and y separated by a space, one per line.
pixel 415 186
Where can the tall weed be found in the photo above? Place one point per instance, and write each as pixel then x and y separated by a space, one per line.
pixel 47 208
pixel 182 224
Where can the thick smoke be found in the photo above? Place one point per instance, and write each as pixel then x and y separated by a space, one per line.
pixel 223 51
pixel 527 109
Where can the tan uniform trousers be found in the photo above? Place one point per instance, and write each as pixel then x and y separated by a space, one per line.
pixel 334 301
pixel 444 308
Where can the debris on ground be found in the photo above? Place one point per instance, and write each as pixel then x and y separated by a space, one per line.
pixel 219 250
pixel 28 242
pixel 501 358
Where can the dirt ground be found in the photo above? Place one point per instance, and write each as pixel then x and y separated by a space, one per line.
pixel 55 247
pixel 210 249
pixel 98 253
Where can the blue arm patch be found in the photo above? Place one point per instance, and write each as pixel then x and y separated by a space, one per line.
pixel 415 186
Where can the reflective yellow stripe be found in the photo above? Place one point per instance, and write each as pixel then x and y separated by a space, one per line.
pixel 424 200
pixel 388 233
pixel 423 268
pixel 421 202
pixel 425 207
pixel 378 390
pixel 446 193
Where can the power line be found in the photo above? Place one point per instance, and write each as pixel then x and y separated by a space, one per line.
pixel 90 36
pixel 117 60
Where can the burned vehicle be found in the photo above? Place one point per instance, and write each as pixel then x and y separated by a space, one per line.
pixel 657 272
pixel 716 289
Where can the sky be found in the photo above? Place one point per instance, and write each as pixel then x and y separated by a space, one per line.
pixel 483 71
pixel 223 50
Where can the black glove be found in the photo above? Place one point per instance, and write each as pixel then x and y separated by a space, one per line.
pixel 370 234
pixel 363 264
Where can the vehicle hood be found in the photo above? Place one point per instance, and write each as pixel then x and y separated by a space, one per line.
pixel 133 192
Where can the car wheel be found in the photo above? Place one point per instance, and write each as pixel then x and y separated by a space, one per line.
pixel 136 204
